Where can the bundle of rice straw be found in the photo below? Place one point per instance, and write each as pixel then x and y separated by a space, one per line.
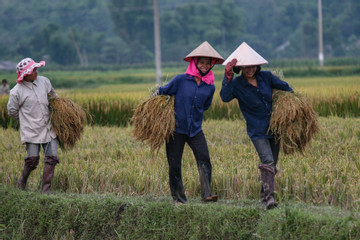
pixel 293 121
pixel 68 120
pixel 154 121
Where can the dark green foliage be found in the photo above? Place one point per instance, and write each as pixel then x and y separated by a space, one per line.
pixel 120 32
pixel 32 215
pixel 188 25
pixel 295 223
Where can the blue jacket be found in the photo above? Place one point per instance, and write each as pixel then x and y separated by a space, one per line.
pixel 255 102
pixel 191 100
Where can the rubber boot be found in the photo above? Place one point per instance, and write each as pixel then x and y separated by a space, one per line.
pixel 29 165
pixel 268 185
pixel 49 168
pixel 205 179
pixel 262 195
pixel 177 188
pixel 179 195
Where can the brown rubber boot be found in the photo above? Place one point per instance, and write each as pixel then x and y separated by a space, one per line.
pixel 29 165
pixel 268 185
pixel 49 168
pixel 212 198
pixel 47 177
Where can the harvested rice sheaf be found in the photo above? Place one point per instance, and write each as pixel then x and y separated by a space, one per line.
pixel 68 120
pixel 154 121
pixel 293 121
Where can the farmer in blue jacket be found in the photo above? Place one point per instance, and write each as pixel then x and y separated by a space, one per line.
pixel 253 90
pixel 193 93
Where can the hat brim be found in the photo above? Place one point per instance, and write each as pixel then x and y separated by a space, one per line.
pixel 205 50
pixel 246 56
pixel 217 60
pixel 29 70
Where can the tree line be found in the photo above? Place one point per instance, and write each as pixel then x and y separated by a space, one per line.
pixel 121 32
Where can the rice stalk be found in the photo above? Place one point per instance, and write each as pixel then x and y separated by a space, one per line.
pixel 293 121
pixel 154 121
pixel 68 120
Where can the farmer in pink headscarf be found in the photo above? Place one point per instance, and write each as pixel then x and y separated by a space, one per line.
pixel 28 102
pixel 193 93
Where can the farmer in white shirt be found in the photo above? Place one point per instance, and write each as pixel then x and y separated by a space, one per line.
pixel 5 88
pixel 28 102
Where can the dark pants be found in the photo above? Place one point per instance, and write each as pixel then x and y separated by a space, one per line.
pixel 174 152
pixel 268 151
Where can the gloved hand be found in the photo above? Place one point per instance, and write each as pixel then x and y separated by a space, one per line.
pixel 228 69
pixel 155 93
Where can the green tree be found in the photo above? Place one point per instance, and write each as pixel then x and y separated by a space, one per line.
pixel 134 23
pixel 190 24
pixel 53 43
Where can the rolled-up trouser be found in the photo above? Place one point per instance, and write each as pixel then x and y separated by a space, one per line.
pixel 32 159
pixel 268 151
pixel 174 151
pixel 50 148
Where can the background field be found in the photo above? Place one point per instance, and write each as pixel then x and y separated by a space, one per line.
pixel 318 192
pixel 112 104
pixel 107 159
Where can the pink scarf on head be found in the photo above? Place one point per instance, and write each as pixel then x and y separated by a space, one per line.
pixel 192 70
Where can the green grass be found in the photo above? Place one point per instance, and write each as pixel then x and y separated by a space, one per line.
pixel 32 215
pixel 109 160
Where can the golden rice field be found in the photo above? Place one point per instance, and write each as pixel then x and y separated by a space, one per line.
pixel 114 104
pixel 329 95
pixel 109 159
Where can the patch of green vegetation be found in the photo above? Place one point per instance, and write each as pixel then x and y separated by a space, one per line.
pixel 32 215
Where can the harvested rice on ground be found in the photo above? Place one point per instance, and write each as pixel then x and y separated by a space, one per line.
pixel 68 120
pixel 293 121
pixel 154 121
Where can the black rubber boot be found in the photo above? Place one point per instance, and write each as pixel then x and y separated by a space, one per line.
pixel 205 178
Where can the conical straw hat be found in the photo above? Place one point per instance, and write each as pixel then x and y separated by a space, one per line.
pixel 205 50
pixel 246 56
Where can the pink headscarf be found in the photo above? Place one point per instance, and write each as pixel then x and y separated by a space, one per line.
pixel 192 70
pixel 26 67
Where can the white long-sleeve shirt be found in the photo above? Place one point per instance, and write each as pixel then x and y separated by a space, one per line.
pixel 29 103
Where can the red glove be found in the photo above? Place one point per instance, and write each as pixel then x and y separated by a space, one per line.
pixel 228 69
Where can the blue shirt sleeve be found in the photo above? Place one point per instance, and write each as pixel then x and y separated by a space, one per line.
pixel 191 100
pixel 226 92
pixel 170 88
pixel 276 83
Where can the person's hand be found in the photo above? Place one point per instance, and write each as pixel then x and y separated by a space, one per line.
pixel 228 69
pixel 155 93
